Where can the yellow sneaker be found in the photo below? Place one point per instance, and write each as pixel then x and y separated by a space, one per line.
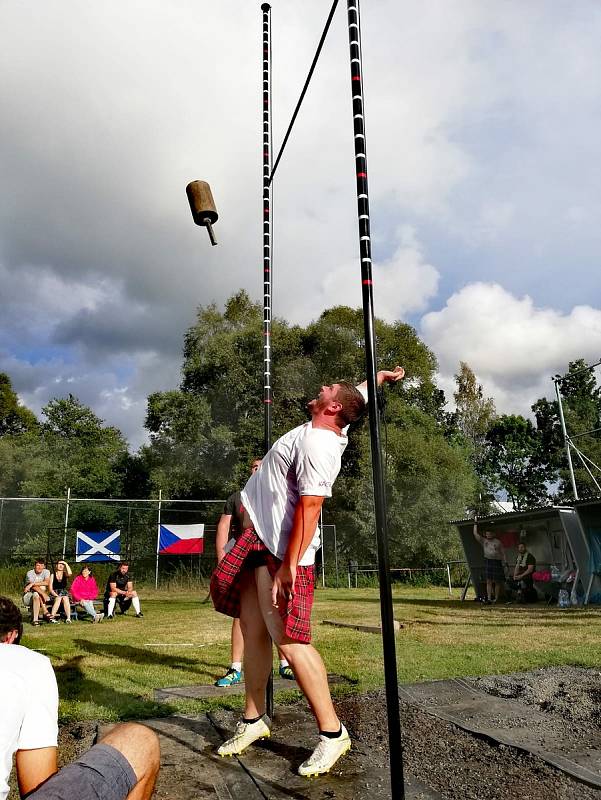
pixel 245 734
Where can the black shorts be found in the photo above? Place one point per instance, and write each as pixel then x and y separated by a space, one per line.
pixel 494 569
pixel 102 773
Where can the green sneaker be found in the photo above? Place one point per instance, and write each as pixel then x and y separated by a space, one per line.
pixel 286 672
pixel 231 677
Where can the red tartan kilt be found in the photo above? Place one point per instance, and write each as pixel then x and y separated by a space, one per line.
pixel 225 586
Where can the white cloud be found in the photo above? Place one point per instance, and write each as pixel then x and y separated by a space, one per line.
pixel 403 284
pixel 513 347
pixel 482 146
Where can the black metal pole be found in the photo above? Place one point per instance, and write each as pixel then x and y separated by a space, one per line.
pixel 267 398
pixel 390 670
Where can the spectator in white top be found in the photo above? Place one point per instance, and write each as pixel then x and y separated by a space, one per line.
pixel 36 591
pixel 495 563
pixel 124 765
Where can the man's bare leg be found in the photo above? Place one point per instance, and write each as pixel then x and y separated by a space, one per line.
pixel 309 669
pixel 237 642
pixel 257 648
pixel 140 746
pixel 35 603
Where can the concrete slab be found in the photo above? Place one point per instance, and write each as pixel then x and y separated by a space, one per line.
pixel 511 723
pixel 197 691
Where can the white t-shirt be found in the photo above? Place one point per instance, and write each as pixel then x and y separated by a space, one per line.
pixel 28 705
pixel 305 461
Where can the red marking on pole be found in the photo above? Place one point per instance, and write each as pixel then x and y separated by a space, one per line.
pixel 268 401
pixel 362 174
pixel 367 283
pixel 356 77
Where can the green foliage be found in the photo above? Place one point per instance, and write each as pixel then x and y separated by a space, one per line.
pixel 581 400
pixel 14 418
pixel 516 462
pixel 204 435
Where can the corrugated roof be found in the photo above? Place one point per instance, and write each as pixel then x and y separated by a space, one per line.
pixel 512 515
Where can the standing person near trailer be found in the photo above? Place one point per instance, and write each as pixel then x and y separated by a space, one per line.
pixel 229 529
pixel 60 591
pixel 495 562
pixel 268 577
pixel 120 589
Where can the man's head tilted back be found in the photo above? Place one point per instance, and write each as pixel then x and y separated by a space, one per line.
pixel 11 622
pixel 352 402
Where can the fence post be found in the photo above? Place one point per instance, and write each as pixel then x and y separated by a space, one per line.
pixel 156 575
pixel 66 524
pixel 449 577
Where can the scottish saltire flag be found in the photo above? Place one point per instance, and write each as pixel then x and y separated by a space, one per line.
pixel 181 539
pixel 98 546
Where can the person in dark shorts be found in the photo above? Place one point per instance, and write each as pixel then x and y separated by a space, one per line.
pixel 268 577
pixel 123 765
pixel 495 562
pixel 120 589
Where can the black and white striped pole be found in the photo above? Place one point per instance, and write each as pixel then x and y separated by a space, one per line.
pixel 267 397
pixel 388 635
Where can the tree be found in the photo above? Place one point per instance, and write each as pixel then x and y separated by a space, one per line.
pixel 14 417
pixel 515 462
pixel 581 400
pixel 474 413
pixel 204 435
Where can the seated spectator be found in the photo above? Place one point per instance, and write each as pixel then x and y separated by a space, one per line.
pixel 123 765
pixel 35 591
pixel 59 590
pixel 120 589
pixel 84 590
pixel 523 581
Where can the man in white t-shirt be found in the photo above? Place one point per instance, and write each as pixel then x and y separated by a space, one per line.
pixel 267 578
pixel 35 591
pixel 125 764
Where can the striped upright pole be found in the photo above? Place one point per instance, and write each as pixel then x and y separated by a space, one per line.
pixel 267 398
pixel 390 670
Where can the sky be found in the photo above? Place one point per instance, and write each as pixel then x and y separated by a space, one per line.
pixel 483 123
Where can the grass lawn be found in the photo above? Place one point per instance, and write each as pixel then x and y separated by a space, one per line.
pixel 109 671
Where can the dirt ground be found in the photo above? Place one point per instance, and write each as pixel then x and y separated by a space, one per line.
pixel 461 766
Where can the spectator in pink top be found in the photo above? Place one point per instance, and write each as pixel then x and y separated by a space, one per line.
pixel 84 590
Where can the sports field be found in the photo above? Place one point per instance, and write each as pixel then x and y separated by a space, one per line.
pixel 109 671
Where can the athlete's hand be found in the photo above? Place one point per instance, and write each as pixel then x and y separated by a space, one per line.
pixel 283 584
pixel 390 375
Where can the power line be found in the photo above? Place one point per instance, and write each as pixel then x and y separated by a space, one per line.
pixel 305 87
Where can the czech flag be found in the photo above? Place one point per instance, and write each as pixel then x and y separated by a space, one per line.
pixel 181 539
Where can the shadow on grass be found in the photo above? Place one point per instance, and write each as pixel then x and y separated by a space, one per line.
pixel 140 655
pixel 75 686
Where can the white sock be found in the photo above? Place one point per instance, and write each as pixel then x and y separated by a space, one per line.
pixel 111 608
pixel 135 601
pixel 283 662
pixel 237 665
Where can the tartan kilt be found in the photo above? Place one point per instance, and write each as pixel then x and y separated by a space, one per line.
pixel 225 586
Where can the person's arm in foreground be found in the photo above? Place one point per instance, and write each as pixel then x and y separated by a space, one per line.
pixel 386 376
pixel 223 532
pixel 306 515
pixel 34 767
